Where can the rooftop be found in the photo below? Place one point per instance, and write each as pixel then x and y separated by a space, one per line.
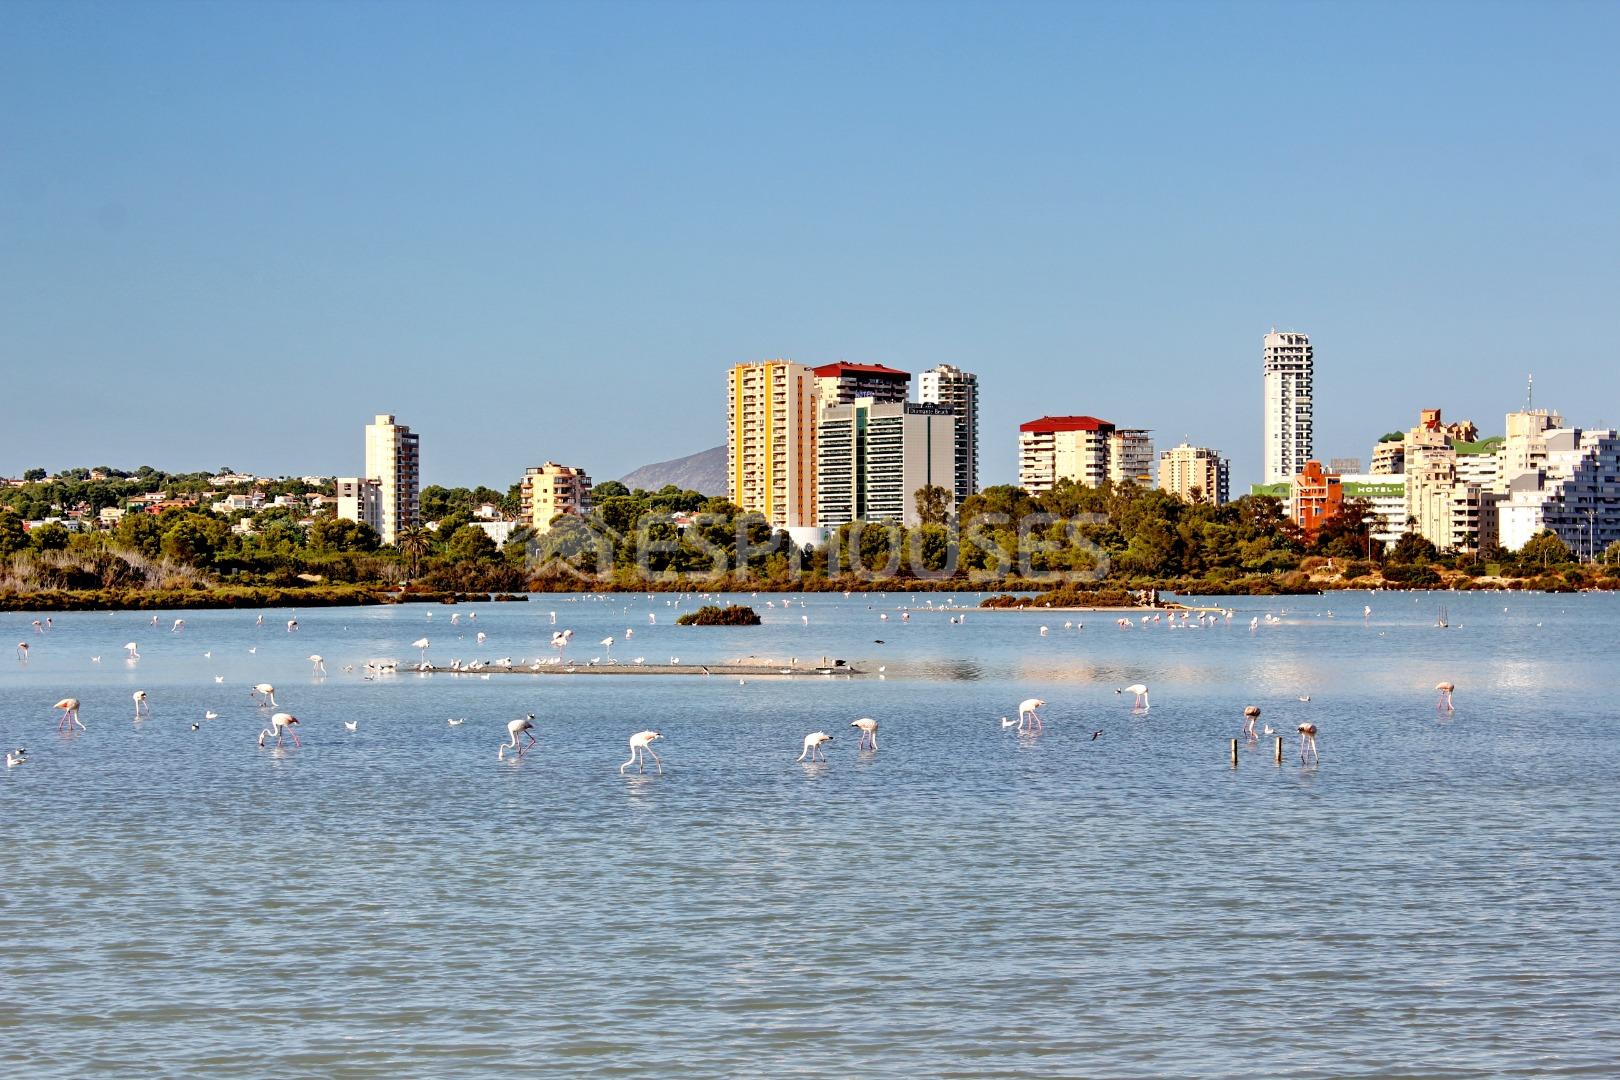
pixel 830 371
pixel 1066 423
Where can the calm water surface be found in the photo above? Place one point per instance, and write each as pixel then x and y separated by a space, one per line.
pixel 1439 898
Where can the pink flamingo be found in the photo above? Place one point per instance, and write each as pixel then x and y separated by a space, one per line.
pixel 868 728
pixel 70 714
pixel 1445 689
pixel 641 744
pixel 1307 744
pixel 813 743
pixel 1250 715
pixel 279 723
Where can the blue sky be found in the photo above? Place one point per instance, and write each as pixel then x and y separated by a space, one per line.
pixel 230 233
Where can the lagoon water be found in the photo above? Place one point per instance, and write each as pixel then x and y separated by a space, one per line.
pixel 1440 897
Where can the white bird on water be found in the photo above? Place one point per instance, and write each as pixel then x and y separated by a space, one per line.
pixel 482 637
pixel 868 728
pixel 1007 722
pixel 813 743
pixel 641 744
pixel 1141 692
pixel 351 725
pixel 422 644
pixel 522 725
pixel 266 691
pixel 210 714
pixel 281 723
pixel 455 721
pixel 17 757
pixel 319 662
pixel 1027 714
pixel 140 704
pixel 179 625
pixel 132 652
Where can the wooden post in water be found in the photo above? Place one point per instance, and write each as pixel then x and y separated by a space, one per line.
pixel 1279 750
pixel 1234 753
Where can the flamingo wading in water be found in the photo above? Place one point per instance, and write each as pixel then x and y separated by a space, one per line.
pixel 266 691
pixel 1027 714
pixel 813 743
pixel 70 714
pixel 868 728
pixel 522 725
pixel 140 704
pixel 640 744
pixel 1445 689
pixel 1307 744
pixel 281 723
pixel 1141 692
pixel 1251 713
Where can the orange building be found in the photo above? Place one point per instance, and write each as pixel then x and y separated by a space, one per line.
pixel 1315 496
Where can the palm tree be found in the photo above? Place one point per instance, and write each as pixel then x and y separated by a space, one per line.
pixel 413 542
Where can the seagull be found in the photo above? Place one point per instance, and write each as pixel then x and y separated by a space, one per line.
pixel 1005 722
pixel 210 715
pixel 20 757
pixel 351 725
pixel 454 722
pixel 219 678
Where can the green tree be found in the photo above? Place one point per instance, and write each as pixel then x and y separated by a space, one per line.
pixel 139 531
pixel 13 537
pixel 1412 548
pixel 413 542
pixel 470 543
pixel 49 537
pixel 34 476
pixel 933 504
pixel 1611 554
pixel 608 489
pixel 337 534
pixel 1544 549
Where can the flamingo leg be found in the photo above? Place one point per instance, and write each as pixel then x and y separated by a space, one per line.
pixel 294 734
pixel 657 759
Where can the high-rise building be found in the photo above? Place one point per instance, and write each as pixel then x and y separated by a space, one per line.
pixel 841 383
pixel 771 412
pixel 393 459
pixel 947 385
pixel 1389 457
pixel 1195 474
pixel 871 457
pixel 551 489
pixel 1057 448
pixel 1130 457
pixel 1288 367
pixel 359 499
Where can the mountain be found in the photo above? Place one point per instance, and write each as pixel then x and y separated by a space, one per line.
pixel 705 472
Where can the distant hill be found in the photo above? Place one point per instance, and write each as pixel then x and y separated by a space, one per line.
pixel 705 472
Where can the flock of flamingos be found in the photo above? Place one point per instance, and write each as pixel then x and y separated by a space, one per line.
pixel 520 732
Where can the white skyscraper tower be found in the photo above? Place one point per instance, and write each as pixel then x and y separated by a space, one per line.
pixel 393 460
pixel 1288 365
pixel 958 389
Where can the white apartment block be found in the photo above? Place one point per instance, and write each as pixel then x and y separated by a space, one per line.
pixel 1287 376
pixel 1130 457
pixel 958 389
pixel 1195 474
pixel 359 499
pixel 393 459
pixel 872 457
pixel 1057 448
pixel 1575 493
pixel 771 414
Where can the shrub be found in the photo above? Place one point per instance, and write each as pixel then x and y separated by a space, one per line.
pixel 710 615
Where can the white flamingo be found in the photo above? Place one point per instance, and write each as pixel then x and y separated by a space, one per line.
pixel 22 651
pixel 641 744
pixel 265 691
pixel 523 725
pixel 140 704
pixel 868 729
pixel 319 662
pixel 1141 692
pixel 280 723
pixel 422 644
pixel 131 652
pixel 1027 714
pixel 179 625
pixel 813 743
